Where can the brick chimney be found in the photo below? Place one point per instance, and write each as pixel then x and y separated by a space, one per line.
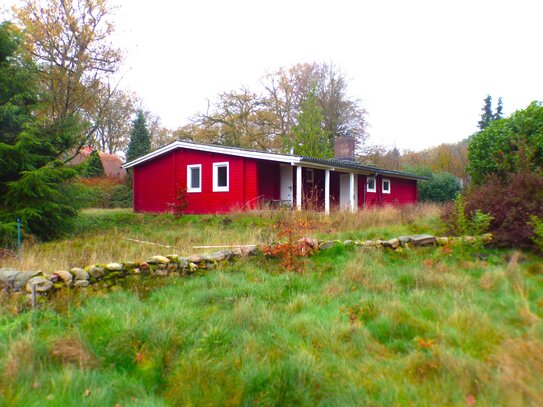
pixel 344 148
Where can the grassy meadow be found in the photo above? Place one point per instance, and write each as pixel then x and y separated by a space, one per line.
pixel 433 326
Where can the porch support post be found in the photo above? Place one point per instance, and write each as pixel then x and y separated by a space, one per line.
pixel 299 188
pixel 352 203
pixel 327 191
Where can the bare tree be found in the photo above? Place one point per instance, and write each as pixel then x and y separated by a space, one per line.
pixel 244 118
pixel 113 125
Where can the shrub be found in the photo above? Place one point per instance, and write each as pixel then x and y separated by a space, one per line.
pixel 537 224
pixel 181 201
pixel 103 192
pixel 508 145
pixel 464 223
pixel 8 234
pixel 291 246
pixel 511 203
pixel 440 187
pixel 121 197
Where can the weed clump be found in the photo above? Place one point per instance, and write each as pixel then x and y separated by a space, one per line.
pixel 291 245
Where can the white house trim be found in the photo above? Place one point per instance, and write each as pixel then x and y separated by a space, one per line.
pixel 352 192
pixel 216 186
pixel 189 178
pixel 214 149
pixel 299 188
pixel 374 189
pixel 327 191
pixel 386 181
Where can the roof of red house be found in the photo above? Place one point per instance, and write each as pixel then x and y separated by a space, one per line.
pixel 271 156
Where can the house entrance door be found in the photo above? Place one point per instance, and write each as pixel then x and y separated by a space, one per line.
pixel 286 184
pixel 344 192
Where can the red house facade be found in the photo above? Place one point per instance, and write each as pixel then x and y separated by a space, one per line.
pixel 219 179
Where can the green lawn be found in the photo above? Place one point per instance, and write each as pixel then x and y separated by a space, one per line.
pixel 424 327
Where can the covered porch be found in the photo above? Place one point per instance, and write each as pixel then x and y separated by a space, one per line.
pixel 314 187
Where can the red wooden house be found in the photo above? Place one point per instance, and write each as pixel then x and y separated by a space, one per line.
pixel 218 179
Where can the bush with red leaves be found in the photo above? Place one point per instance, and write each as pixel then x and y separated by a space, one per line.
pixel 511 203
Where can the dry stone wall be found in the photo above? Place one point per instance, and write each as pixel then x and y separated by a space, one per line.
pixel 113 274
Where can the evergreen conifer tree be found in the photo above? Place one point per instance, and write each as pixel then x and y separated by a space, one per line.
pixel 93 167
pixel 34 183
pixel 310 139
pixel 499 110
pixel 487 116
pixel 140 141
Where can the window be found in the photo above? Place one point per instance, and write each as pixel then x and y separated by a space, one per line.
pixel 194 178
pixel 220 177
pixel 309 176
pixel 386 186
pixel 370 184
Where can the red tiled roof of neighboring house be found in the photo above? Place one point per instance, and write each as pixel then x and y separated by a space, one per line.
pixel 81 156
pixel 113 165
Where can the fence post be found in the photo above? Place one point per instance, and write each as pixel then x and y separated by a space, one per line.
pixel 19 237
pixel 34 301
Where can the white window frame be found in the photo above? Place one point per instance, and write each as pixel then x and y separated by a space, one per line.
pixel 216 187
pixel 189 178
pixel 383 186
pixel 374 189
pixel 309 179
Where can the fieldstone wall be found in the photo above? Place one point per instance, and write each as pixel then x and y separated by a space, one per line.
pixel 112 274
pixel 407 242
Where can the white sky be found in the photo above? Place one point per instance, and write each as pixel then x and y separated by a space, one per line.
pixel 421 68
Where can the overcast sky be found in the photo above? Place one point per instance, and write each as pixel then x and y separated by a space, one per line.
pixel 421 68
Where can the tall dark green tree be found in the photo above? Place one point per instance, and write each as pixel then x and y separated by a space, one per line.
pixel 140 141
pixel 34 183
pixel 499 110
pixel 487 116
pixel 310 139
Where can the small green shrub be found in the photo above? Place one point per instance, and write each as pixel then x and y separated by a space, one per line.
pixel 120 197
pixel 8 234
pixel 462 224
pixel 103 192
pixel 537 224
pixel 440 186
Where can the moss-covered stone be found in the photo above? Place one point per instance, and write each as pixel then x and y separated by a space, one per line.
pixel 158 260
pixel 79 274
pixel 130 265
pixel 96 271
pixel 183 263
pixel 174 258
pixel 40 283
pixel 66 277
pixel 114 266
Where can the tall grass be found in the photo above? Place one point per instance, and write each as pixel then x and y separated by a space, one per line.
pixel 100 236
pixel 423 327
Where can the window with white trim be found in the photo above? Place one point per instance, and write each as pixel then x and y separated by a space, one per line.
pixel 386 186
pixel 194 178
pixel 370 185
pixel 221 177
pixel 309 176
